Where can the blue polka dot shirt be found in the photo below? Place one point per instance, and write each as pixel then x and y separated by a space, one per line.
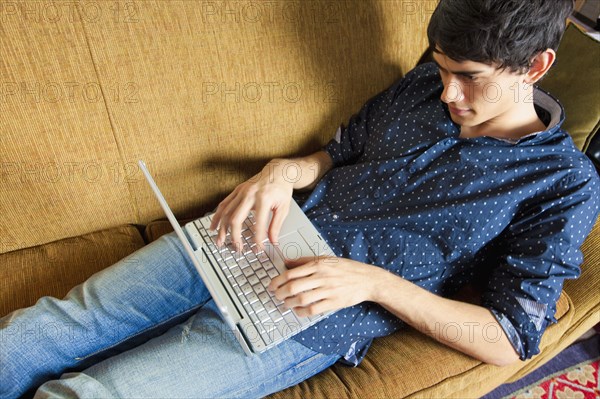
pixel 408 195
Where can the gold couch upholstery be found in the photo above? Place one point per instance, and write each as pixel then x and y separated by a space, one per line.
pixel 205 92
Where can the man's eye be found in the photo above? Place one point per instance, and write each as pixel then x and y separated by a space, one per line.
pixel 468 77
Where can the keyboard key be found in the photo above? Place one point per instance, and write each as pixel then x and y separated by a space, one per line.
pixel 238 255
pixel 276 317
pixel 241 279
pixel 259 289
pixel 267 264
pixel 258 307
pixel 252 297
pixel 273 273
pixel 263 316
pixel 263 257
pixel 205 222
pixel 228 274
pixel 243 263
pixel 239 292
pixel 265 298
pixel 252 279
pixel 254 317
pixel 273 333
pixel 269 305
pixel 236 271
pixel 256 266
pixel 290 319
pixel 266 281
pixel 281 306
pixel 246 289
pixel 261 273
pixel 248 272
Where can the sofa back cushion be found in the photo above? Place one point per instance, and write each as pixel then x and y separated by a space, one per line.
pixel 205 92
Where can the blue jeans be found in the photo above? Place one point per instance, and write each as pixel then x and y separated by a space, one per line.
pixel 144 327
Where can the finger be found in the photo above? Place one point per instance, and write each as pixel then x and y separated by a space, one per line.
pixel 305 299
pixel 292 263
pixel 279 215
pixel 261 215
pixel 289 275
pixel 237 221
pixel 237 214
pixel 220 208
pixel 319 307
pixel 298 287
pixel 224 222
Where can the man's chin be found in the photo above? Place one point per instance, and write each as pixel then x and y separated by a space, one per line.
pixel 466 120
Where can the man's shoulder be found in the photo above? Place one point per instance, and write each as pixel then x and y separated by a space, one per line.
pixel 427 71
pixel 418 84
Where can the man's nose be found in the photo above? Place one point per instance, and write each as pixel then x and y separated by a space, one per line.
pixel 453 92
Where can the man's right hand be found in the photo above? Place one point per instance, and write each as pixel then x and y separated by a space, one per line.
pixel 268 191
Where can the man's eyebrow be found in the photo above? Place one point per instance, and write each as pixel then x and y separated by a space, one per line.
pixel 457 72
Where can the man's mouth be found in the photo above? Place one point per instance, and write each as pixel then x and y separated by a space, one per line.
pixel 458 111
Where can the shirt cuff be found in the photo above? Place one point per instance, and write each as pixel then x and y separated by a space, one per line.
pixel 511 333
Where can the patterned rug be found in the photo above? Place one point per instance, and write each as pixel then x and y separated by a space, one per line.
pixel 577 382
pixel 572 374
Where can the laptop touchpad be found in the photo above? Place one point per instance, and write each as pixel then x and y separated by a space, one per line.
pixel 293 246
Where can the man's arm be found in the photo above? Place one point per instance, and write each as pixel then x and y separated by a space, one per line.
pixel 268 191
pixel 313 286
pixel 466 327
pixel 304 173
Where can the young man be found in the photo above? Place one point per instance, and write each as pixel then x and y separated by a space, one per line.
pixel 458 172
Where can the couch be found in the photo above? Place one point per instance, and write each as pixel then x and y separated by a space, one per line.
pixel 206 92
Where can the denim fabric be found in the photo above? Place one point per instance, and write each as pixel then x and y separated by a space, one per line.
pixel 131 314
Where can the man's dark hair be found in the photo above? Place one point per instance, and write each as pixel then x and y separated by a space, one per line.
pixel 509 33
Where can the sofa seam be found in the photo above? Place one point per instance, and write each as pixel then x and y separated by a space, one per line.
pixel 133 203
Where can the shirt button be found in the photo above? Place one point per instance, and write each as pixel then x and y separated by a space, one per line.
pixel 376 194
pixel 412 169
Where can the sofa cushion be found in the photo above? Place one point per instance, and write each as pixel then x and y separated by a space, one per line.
pixel 53 269
pixel 574 80
pixel 158 228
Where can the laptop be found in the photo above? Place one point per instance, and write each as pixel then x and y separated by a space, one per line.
pixel 237 279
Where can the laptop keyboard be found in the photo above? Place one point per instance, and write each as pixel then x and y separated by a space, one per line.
pixel 249 274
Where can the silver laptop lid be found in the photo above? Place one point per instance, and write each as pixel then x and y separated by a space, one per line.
pixel 221 304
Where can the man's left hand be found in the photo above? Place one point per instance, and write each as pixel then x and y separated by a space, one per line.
pixel 316 285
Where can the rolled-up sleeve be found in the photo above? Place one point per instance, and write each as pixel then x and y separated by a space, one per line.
pixel 540 250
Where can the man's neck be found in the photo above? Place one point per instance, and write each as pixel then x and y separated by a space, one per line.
pixel 520 122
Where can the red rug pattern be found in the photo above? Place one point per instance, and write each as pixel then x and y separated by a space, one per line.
pixel 576 382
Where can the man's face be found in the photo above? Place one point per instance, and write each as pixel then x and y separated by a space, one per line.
pixel 480 95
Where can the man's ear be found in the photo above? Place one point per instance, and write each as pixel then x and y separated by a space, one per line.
pixel 540 64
